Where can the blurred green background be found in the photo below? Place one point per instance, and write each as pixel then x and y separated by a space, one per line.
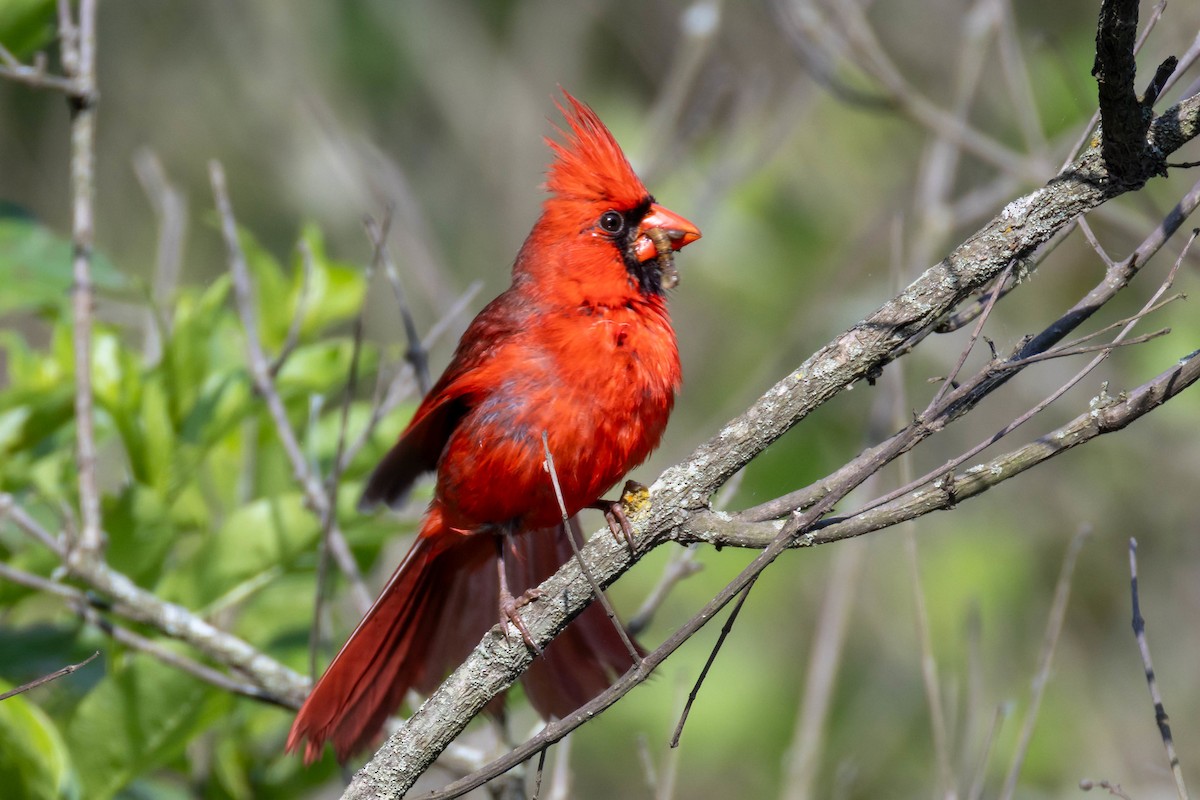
pixel 814 210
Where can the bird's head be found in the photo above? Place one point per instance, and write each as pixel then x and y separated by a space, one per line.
pixel 600 223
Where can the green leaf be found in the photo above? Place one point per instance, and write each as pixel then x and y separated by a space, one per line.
pixel 335 290
pixel 39 261
pixel 140 716
pixel 34 761
pixel 26 25
pixel 257 540
pixel 195 342
pixel 270 287
pixel 140 532
pixel 323 366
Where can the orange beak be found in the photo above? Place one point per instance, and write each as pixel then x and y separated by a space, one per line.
pixel 680 232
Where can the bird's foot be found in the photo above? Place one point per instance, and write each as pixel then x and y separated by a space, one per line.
pixel 509 606
pixel 614 512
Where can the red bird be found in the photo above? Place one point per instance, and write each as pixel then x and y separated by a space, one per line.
pixel 579 347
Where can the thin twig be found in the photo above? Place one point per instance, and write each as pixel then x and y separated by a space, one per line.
pixel 292 338
pixel 1160 711
pixel 634 656
pixel 36 75
pixel 929 669
pixel 79 59
pixel 1054 624
pixel 85 604
pixel 1104 415
pixel 170 210
pixel 23 520
pixel 333 480
pixel 402 382
pixel 315 496
pixel 712 656
pixel 949 382
pixel 415 354
pixel 954 463
pixel 678 568
pixel 976 790
pixel 1113 789
pixel 67 670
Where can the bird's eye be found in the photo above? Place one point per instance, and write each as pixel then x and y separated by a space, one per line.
pixel 612 222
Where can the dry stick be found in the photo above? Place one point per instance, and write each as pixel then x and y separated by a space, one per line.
pixel 10 510
pixel 976 790
pixel 401 385
pixel 1113 789
pixel 181 662
pixel 954 463
pixel 67 670
pixel 84 603
pixel 316 498
pixel 1063 352
pixel 170 211
pixel 712 656
pixel 537 776
pixel 36 75
pixel 676 570
pixel 682 490
pixel 1106 416
pixel 560 777
pixel 929 669
pixel 828 642
pixel 568 524
pixel 1114 280
pixel 292 338
pixel 1054 624
pixel 1160 711
pixel 415 354
pixel 333 481
pixel 949 382
pixel 79 60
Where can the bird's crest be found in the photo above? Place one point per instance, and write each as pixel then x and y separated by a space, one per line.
pixel 588 163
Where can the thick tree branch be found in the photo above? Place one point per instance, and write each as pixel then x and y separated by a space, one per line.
pixel 1123 118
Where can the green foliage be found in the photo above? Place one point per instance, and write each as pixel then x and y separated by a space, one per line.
pixel 34 761
pixel 26 25
pixel 200 505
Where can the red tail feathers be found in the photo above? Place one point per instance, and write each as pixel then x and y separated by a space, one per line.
pixel 432 613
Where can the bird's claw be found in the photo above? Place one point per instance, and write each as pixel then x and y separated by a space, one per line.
pixel 614 512
pixel 509 606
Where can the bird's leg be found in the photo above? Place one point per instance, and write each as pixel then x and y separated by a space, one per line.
pixel 614 512
pixel 509 605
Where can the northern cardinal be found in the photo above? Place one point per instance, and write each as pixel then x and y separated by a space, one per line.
pixel 579 347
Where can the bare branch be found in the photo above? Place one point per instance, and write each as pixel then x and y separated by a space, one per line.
pixel 272 682
pixel 315 496
pixel 79 58
pixel 67 670
pixel 1054 624
pixel 1160 711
